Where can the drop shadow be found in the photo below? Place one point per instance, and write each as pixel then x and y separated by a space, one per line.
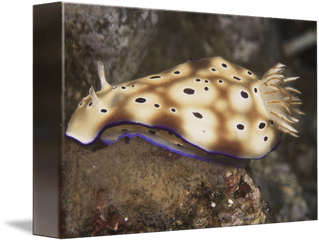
pixel 23 225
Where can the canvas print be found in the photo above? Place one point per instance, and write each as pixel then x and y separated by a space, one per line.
pixel 179 120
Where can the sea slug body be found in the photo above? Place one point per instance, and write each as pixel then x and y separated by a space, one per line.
pixel 198 108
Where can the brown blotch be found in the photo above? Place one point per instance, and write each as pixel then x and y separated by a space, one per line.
pixel 233 148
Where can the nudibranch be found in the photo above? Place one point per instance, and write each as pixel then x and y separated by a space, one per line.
pixel 201 107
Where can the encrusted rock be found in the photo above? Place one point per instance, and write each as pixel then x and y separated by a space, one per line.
pixel 134 186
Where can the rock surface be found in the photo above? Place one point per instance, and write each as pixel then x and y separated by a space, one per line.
pixel 117 36
pixel 133 186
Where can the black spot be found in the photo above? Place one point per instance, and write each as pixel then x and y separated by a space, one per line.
pixel 90 104
pixel 170 133
pixel 213 69
pixel 206 81
pixel 114 87
pixel 180 145
pixel 265 138
pixel 173 110
pixel 197 80
pixel 244 94
pixel 271 122
pixel 189 91
pixel 81 104
pixel 123 87
pixel 127 140
pixel 177 72
pixel 140 100
pixel 152 132
pixel 103 110
pixel 237 78
pixel 220 81
pixel 262 125
pixel 240 126
pixel 154 77
pixel 249 73
pixel 198 115
pixel 224 65
pixel 124 130
pixel 255 90
pixel 156 105
pixel 133 85
pixel 206 88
